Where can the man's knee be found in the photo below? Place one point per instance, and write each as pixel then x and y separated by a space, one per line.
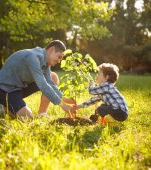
pixel 55 78
pixel 25 112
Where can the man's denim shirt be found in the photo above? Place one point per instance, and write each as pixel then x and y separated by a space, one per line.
pixel 25 67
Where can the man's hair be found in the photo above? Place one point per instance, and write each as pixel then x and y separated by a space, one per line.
pixel 110 70
pixel 59 45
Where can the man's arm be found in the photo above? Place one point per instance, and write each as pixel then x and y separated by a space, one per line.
pixel 34 66
pixel 47 75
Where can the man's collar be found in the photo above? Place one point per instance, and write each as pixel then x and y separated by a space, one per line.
pixel 44 51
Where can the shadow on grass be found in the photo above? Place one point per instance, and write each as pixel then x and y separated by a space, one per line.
pixel 90 138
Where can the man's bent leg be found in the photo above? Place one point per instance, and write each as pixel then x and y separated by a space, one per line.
pixel 31 89
pixel 44 104
pixel 12 102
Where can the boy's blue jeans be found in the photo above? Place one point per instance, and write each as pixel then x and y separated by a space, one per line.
pixel 14 100
pixel 117 114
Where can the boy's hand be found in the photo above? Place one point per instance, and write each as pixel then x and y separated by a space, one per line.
pixel 69 101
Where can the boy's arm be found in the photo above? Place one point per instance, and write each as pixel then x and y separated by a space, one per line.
pixel 101 89
pixel 91 101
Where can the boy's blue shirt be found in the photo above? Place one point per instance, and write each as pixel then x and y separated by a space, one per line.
pixel 25 67
pixel 107 93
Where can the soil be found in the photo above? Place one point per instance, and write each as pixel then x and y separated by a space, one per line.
pixel 73 122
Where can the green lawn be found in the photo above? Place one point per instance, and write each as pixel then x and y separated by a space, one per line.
pixel 39 145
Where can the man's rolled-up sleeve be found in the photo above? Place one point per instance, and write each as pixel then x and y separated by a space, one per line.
pixel 34 66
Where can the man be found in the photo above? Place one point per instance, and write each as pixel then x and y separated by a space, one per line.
pixel 28 71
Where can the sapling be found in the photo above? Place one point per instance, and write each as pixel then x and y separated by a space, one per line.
pixel 77 78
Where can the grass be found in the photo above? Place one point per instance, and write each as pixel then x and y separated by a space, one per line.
pixel 41 146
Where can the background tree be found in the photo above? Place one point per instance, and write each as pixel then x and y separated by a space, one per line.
pixel 110 30
pixel 130 30
pixel 34 22
pixel 146 22
pixel 4 38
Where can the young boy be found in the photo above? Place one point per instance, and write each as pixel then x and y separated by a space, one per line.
pixel 113 102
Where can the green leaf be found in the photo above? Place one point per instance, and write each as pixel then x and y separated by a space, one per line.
pixel 63 63
pixel 68 51
pixel 78 76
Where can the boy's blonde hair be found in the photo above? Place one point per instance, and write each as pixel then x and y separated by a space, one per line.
pixel 110 70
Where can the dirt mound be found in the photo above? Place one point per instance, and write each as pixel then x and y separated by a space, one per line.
pixel 72 122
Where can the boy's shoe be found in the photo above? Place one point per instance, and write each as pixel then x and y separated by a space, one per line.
pixel 103 121
pixel 94 118
pixel 2 111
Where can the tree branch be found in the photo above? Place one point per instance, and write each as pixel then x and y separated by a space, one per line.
pixel 40 2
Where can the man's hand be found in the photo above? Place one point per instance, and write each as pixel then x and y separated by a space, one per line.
pixel 73 112
pixel 68 109
pixel 76 107
pixel 69 101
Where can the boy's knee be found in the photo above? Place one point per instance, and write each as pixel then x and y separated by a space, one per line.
pixel 123 118
pixel 98 111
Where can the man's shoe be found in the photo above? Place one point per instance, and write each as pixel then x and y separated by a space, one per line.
pixel 43 115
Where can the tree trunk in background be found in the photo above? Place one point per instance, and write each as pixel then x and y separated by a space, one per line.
pixel 3 11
